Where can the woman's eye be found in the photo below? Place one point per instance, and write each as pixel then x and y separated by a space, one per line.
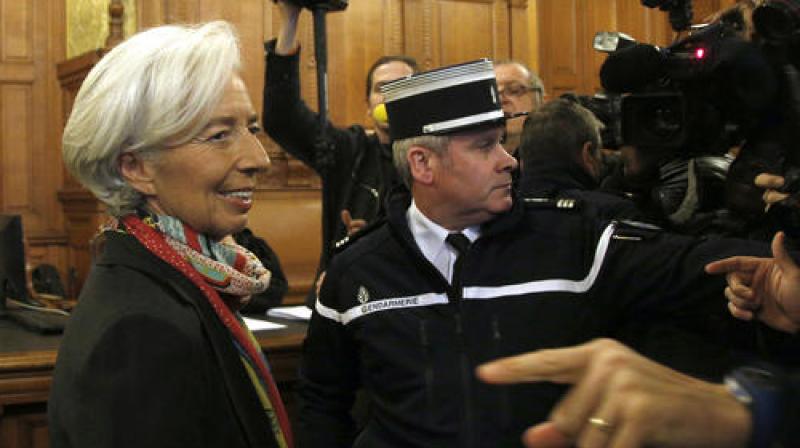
pixel 219 136
pixel 254 129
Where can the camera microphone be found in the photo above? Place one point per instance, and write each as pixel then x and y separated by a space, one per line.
pixel 631 69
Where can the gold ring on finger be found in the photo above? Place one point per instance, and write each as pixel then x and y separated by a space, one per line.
pixel 601 424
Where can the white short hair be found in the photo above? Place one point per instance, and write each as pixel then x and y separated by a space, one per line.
pixel 160 86
pixel 436 143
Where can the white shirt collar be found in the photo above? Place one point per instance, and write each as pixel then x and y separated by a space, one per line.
pixel 430 238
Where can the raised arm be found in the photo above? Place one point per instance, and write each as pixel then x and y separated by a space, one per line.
pixel 287 119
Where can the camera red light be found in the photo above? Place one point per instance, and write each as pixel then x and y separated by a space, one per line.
pixel 700 53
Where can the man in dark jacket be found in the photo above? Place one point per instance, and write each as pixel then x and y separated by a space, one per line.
pixel 561 155
pixel 461 274
pixel 355 165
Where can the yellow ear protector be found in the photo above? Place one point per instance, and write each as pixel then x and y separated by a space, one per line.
pixel 379 113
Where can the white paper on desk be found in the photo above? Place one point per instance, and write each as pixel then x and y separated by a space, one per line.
pixel 301 312
pixel 258 325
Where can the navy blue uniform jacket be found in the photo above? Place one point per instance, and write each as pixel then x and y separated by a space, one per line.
pixel 538 277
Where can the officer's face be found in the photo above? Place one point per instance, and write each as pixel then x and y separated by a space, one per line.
pixel 473 178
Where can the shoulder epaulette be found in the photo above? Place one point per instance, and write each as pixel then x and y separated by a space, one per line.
pixel 627 229
pixel 618 193
pixel 562 203
pixel 347 241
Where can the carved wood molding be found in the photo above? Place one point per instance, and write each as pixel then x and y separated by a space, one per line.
pixel 74 70
pixel 79 200
pixel 27 361
pixel 25 389
pixel 25 377
pixel 116 10
pixel 427 35
pixel 394 42
pixel 48 239
pixel 502 26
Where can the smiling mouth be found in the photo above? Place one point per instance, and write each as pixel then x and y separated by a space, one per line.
pixel 242 198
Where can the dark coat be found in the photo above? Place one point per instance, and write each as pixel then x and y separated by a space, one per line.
pixel 356 169
pixel 145 362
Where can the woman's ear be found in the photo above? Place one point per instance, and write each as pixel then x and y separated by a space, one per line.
pixel 138 173
pixel 419 163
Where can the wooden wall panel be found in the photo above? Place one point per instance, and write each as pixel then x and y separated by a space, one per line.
pixel 458 20
pixel 643 24
pixel 31 41
pixel 418 27
pixel 519 33
pixel 356 38
pixel 565 28
pixel 290 221
pixel 600 16
pixel 17 30
pixel 15 138
pixel 704 9
pixel 560 25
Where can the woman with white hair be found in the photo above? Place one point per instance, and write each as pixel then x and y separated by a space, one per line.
pixel 156 353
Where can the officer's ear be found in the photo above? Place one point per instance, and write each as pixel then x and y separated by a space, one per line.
pixel 590 160
pixel 420 164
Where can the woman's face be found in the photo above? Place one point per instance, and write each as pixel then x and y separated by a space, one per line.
pixel 208 182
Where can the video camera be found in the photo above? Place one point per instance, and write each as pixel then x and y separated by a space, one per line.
pixel 327 5
pixel 719 87
pixel 700 95
pixel 712 89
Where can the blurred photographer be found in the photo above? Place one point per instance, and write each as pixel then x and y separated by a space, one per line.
pixel 354 164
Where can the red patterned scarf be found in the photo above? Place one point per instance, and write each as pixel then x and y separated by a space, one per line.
pixel 254 361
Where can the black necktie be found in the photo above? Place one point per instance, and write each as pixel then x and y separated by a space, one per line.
pixel 461 244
